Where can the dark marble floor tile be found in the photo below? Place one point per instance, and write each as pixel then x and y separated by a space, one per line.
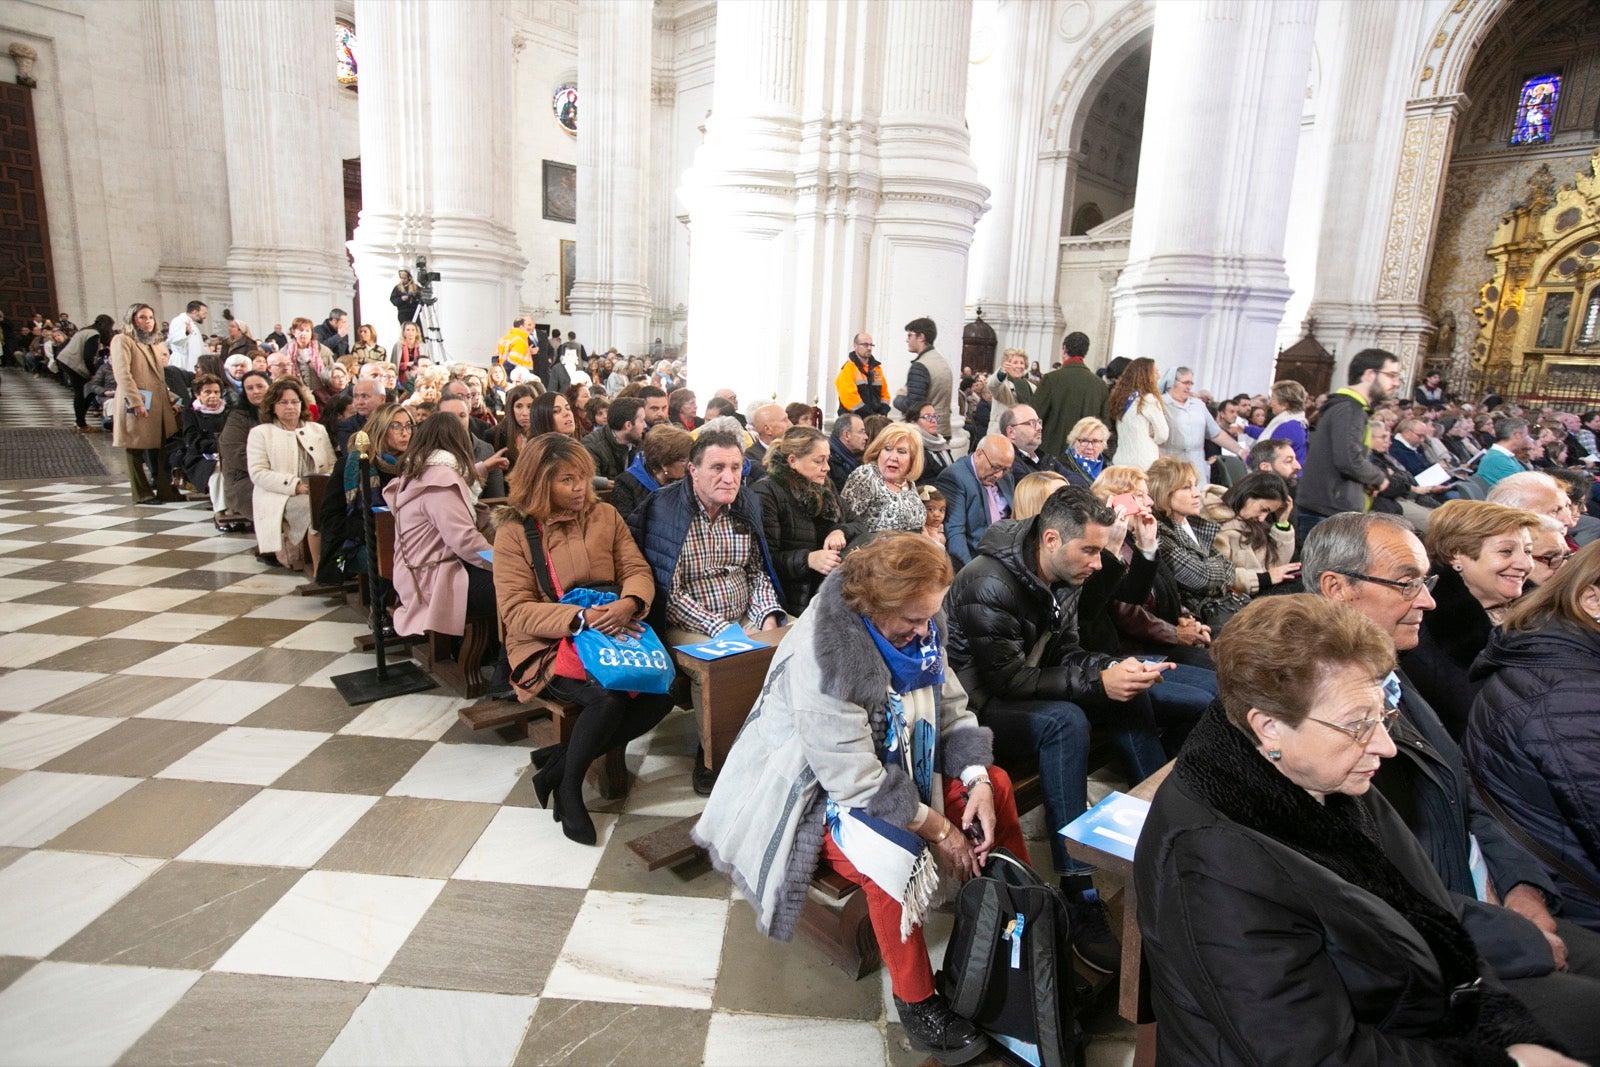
pixel 136 748
pixel 50 550
pixel 189 561
pixel 186 915
pixel 257 633
pixel 305 707
pixel 408 837
pixel 106 655
pixel 226 604
pixel 490 937
pixel 619 1035
pixel 196 580
pixel 87 622
pixel 164 541
pixel 352 764
pixel 249 1020
pixel 620 872
pixel 116 697
pixel 71 595
pixel 66 571
pixel 12 968
pixel 157 817
pixel 794 978
pixel 283 665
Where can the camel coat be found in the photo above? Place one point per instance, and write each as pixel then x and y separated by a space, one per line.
pixel 274 463
pixel 138 366
pixel 1250 565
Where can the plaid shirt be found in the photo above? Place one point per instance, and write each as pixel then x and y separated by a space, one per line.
pixel 720 577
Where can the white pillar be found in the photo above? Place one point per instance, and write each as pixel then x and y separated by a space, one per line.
pixel 436 165
pixel 188 124
pixel 287 203
pixel 741 200
pixel 1205 280
pixel 661 217
pixel 611 297
pixel 931 195
pixel 1016 248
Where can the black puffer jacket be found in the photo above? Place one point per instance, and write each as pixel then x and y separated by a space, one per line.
pixel 998 608
pixel 793 532
pixel 1452 635
pixel 1534 745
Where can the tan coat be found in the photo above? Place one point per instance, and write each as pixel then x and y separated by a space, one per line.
pixel 138 366
pixel 272 457
pixel 1249 564
pixel 593 548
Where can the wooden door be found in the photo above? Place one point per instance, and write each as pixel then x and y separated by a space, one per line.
pixel 27 283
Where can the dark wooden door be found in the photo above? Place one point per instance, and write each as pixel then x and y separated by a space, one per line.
pixel 352 215
pixel 27 283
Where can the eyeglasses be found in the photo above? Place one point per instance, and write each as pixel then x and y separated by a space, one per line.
pixel 402 427
pixel 1002 468
pixel 1410 588
pixel 865 344
pixel 1553 560
pixel 1087 440
pixel 1032 422
pixel 1361 732
pixel 929 417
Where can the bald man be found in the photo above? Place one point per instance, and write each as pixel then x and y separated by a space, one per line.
pixel 768 423
pixel 978 490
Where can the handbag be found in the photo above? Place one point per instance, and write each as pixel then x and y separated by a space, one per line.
pixel 622 662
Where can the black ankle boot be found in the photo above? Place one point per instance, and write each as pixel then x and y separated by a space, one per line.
pixel 573 816
pixel 1092 939
pixel 935 1029
pixel 551 763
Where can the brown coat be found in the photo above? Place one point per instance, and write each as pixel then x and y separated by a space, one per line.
pixel 1249 564
pixel 593 548
pixel 138 366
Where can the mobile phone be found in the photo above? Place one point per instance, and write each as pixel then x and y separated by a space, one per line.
pixel 1126 501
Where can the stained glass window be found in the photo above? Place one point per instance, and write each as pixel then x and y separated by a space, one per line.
pixel 344 44
pixel 1536 109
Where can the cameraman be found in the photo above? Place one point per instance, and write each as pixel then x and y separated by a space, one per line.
pixel 405 297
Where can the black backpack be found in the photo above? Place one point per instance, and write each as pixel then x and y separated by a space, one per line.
pixel 1015 985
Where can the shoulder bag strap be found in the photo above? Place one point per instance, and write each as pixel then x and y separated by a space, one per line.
pixel 543 570
pixel 1556 863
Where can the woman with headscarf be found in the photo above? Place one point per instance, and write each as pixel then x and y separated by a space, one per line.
pixel 143 410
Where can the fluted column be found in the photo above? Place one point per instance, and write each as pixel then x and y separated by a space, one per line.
pixel 1205 280
pixel 931 195
pixel 1016 247
pixel 611 296
pixel 187 126
pixel 741 201
pixel 286 204
pixel 663 209
pixel 436 165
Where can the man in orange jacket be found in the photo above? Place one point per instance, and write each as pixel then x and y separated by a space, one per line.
pixel 861 386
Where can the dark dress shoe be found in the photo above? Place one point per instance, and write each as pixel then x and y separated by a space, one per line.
pixel 703 777
pixel 935 1029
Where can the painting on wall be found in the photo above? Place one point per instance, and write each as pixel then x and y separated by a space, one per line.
pixel 560 191
pixel 569 271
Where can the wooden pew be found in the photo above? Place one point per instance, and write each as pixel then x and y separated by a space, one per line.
pixel 728 690
pixel 318 486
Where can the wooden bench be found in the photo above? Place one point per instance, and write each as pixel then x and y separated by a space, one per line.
pixel 318 486
pixel 460 671
pixel 728 690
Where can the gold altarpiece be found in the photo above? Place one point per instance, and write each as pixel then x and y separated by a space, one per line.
pixel 1539 315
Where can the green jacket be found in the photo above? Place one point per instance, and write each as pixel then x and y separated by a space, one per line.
pixel 1064 396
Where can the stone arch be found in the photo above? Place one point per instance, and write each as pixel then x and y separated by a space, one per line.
pixel 1442 68
pixel 1131 28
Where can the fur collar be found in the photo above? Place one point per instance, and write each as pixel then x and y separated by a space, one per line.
pixel 851 668
pixel 1458 625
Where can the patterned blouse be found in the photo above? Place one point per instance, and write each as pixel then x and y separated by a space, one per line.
pixel 868 501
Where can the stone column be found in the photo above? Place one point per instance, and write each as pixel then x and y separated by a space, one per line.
pixel 1205 280
pixel 286 205
pixel 436 165
pixel 663 153
pixel 741 200
pixel 1016 248
pixel 931 195
pixel 611 296
pixel 187 154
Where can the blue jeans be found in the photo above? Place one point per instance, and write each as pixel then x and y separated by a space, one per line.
pixel 1179 698
pixel 1054 734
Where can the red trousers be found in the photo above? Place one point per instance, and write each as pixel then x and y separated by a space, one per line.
pixel 910 970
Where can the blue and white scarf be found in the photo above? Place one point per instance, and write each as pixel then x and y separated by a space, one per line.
pixel 896 859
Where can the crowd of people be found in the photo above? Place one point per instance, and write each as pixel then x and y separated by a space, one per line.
pixel 1362 624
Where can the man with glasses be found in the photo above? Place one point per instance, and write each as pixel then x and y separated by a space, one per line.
pixel 1022 426
pixel 978 490
pixel 1340 474
pixel 862 388
pixel 1375 564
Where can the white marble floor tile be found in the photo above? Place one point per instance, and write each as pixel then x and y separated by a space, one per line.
pixel 11 528
pixel 525 846
pixel 241 563
pixel 281 828
pixel 11 588
pixel 334 925
pixel 168 626
pixel 135 574
pixel 117 555
pixel 216 700
pixel 324 637
pixel 245 755
pixel 26 689
pixel 13 565
pixel 270 584
pixel 20 616
pixel 19 650
pixel 11 544
pixel 31 739
pixel 36 806
pixel 63 497
pixel 634 948
pixel 11 513
pixel 346 664
pixel 84 1014
pixel 87 522
pixel 774 1041
pixel 418 716
pixel 483 773
pixel 402 1026
pixel 64 506
pixel 225 546
pixel 191 660
pixel 101 537
pixel 306 608
pixel 50 896
pixel 151 600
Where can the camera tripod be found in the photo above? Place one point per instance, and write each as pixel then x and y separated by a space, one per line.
pixel 427 320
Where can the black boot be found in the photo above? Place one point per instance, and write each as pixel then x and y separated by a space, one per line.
pixel 1092 939
pixel 571 812
pixel 935 1029
pixel 550 763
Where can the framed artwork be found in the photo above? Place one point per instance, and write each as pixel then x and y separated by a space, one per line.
pixel 569 272
pixel 560 191
pixel 564 103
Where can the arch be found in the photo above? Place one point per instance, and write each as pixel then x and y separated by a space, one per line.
pixel 1087 218
pixel 1132 27
pixel 1443 67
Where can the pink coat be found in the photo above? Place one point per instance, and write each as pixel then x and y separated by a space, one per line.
pixel 433 534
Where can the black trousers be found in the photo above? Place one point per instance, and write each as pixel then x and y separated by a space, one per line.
pixel 80 400
pixel 610 719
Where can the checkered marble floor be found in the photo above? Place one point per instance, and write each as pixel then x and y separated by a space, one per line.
pixel 207 857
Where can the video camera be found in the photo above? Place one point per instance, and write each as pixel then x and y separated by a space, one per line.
pixel 425 280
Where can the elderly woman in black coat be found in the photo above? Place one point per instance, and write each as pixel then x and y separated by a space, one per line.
pixel 800 514
pixel 1288 914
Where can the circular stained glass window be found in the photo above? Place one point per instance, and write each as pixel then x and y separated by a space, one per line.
pixel 565 106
